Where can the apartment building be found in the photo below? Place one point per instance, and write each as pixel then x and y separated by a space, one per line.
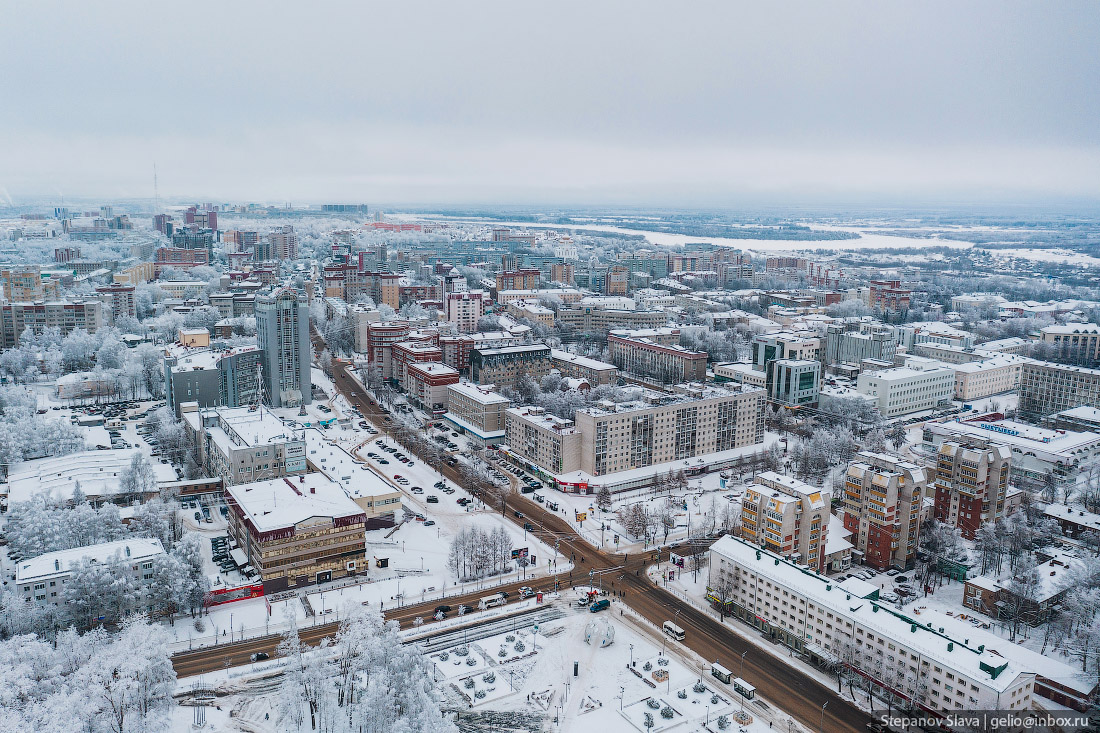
pixel 282 333
pixel 284 242
pixel 995 375
pixel 244 444
pixel 1047 388
pixel 118 300
pixel 41 580
pixel 297 531
pixel 64 315
pixel 910 335
pixel 908 389
pixel 788 517
pixel 457 349
pixel 561 272
pixel 465 309
pixel 212 377
pixel 350 280
pixel 518 280
pixel 594 371
pixel 28 284
pixel 883 495
pixel 668 363
pixel 888 296
pixel 971 483
pixel 405 354
pixel 504 366
pixel 381 338
pixel 477 411
pixel 426 385
pixel 660 428
pixel 938 663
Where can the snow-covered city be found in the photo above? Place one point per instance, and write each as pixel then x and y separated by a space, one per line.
pixel 490 367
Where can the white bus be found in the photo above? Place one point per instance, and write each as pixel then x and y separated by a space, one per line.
pixel 491 601
pixel 673 630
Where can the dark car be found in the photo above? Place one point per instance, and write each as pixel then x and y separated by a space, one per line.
pixel 260 656
pixel 519 515
pixel 432 499
pixel 442 609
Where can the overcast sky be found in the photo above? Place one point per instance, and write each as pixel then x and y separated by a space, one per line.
pixel 555 102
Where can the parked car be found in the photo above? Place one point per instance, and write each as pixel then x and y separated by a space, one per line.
pixel 260 656
pixel 429 523
pixel 432 499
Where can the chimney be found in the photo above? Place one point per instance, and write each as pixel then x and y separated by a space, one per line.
pixel 313 489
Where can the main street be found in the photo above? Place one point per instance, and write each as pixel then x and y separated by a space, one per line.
pixel 794 691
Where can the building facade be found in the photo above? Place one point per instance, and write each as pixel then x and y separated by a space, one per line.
pixel 882 502
pixel 788 517
pixel 1047 388
pixel 971 484
pixel 282 332
pixel 503 367
pixel 908 389
pixel 297 531
pixel 64 315
pixel 667 363
pixel 477 410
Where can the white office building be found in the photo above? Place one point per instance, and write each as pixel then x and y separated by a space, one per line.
pixel 900 391
pixel 936 661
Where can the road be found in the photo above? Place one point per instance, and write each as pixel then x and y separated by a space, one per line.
pixel 793 691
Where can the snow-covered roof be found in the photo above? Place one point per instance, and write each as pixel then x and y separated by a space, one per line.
pixel 581 361
pixel 1000 361
pixel 57 563
pixel 836 539
pixel 1040 441
pixel 1075 514
pixel 97 472
pixel 285 502
pixel 479 393
pixel 964 654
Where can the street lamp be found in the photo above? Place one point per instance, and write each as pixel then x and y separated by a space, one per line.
pixel 742 674
pixel 821 727
pixel 632 655
pixel 622 693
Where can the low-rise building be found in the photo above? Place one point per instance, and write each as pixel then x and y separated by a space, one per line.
pixel 41 580
pixel 1040 456
pixel 908 389
pixel 740 374
pixel 668 363
pixel 244 444
pixel 787 516
pixel 95 472
pixel 594 371
pixel 297 531
pixel 1030 597
pixel 996 375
